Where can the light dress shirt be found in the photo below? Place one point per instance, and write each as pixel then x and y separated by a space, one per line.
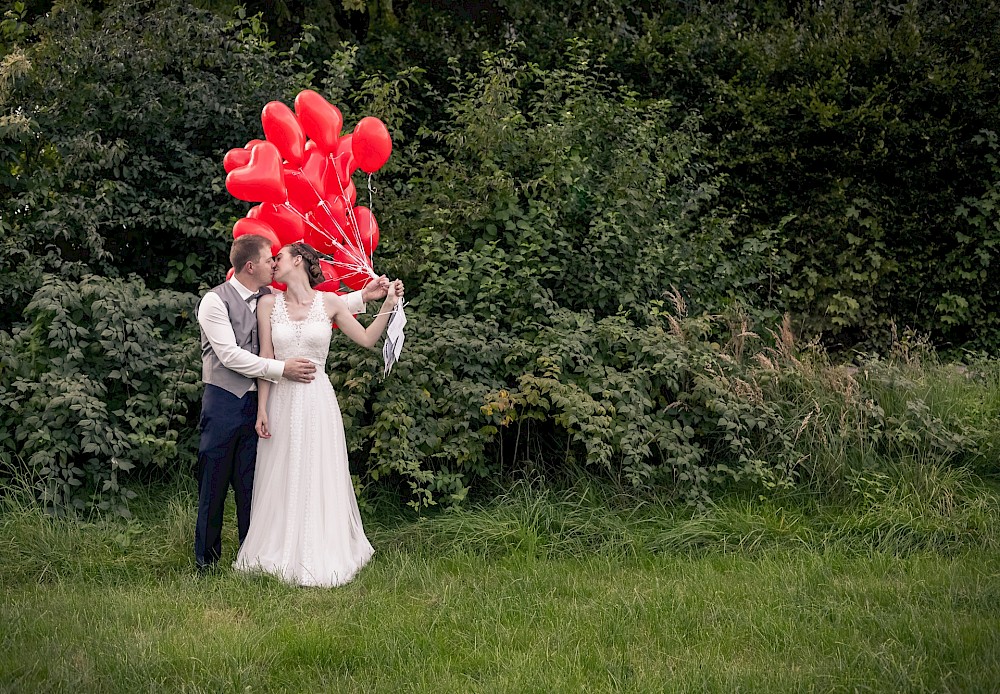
pixel 214 320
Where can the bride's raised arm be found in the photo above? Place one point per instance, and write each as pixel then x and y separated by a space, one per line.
pixel 337 311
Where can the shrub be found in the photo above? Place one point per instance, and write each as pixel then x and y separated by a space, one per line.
pixel 96 390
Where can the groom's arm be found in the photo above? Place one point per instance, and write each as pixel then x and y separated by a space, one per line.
pixel 356 302
pixel 214 320
pixel 373 291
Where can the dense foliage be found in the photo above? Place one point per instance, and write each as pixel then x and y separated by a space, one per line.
pixel 873 124
pixel 601 212
pixel 97 385
pixel 113 128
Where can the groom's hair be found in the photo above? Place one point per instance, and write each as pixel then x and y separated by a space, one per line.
pixel 246 248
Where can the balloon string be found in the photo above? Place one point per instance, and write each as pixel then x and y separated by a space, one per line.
pixel 326 208
pixel 348 250
pixel 349 209
pixel 372 190
pixel 361 264
pixel 383 313
pixel 372 193
pixel 351 217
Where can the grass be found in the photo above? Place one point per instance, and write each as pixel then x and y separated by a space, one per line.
pixel 538 591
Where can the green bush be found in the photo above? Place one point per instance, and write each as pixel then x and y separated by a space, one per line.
pixel 97 390
pixel 873 123
pixel 532 225
pixel 684 407
pixel 599 235
pixel 113 125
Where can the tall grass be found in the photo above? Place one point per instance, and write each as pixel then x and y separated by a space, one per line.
pixel 36 547
pixel 950 512
pixel 905 415
pixel 945 510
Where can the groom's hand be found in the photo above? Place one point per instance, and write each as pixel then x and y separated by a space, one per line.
pixel 299 369
pixel 375 290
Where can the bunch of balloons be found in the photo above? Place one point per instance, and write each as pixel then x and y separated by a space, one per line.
pixel 301 175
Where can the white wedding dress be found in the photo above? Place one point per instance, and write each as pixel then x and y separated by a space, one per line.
pixel 305 527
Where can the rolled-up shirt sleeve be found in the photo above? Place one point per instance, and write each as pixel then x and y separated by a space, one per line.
pixel 214 320
pixel 355 304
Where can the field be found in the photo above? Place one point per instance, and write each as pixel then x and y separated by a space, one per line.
pixel 537 591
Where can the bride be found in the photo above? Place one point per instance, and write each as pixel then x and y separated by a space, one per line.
pixel 305 526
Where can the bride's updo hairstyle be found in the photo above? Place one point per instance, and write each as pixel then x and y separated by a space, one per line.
pixel 311 261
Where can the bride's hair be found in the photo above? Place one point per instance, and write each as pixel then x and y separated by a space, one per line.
pixel 314 271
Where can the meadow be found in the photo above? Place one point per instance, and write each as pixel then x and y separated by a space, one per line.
pixel 583 589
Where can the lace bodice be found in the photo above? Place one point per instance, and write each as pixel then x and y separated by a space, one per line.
pixel 309 338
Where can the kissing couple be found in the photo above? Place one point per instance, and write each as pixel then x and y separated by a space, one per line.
pixel 270 423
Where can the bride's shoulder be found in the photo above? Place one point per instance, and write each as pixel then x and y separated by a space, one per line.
pixel 331 301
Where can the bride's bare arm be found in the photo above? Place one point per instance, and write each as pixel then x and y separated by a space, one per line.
pixel 337 311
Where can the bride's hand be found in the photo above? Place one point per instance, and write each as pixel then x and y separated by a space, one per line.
pixel 395 293
pixel 261 426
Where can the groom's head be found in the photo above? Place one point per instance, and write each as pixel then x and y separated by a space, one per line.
pixel 252 260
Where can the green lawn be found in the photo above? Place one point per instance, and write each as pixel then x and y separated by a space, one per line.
pixel 114 606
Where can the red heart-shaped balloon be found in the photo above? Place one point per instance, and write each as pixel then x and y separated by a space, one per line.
pixel 314 169
pixel 282 128
pixel 372 144
pixel 338 174
pixel 317 235
pixel 345 162
pixel 329 270
pixel 258 228
pixel 262 179
pixel 319 118
pixel 301 193
pixel 235 158
pixel 332 214
pixel 329 286
pixel 346 262
pixel 286 222
pixel 367 229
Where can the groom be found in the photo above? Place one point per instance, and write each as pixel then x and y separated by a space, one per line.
pixel 227 451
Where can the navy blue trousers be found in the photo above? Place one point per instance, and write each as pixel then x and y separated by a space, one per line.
pixel 227 456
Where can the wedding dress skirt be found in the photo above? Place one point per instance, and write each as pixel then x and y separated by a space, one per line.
pixel 305 526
